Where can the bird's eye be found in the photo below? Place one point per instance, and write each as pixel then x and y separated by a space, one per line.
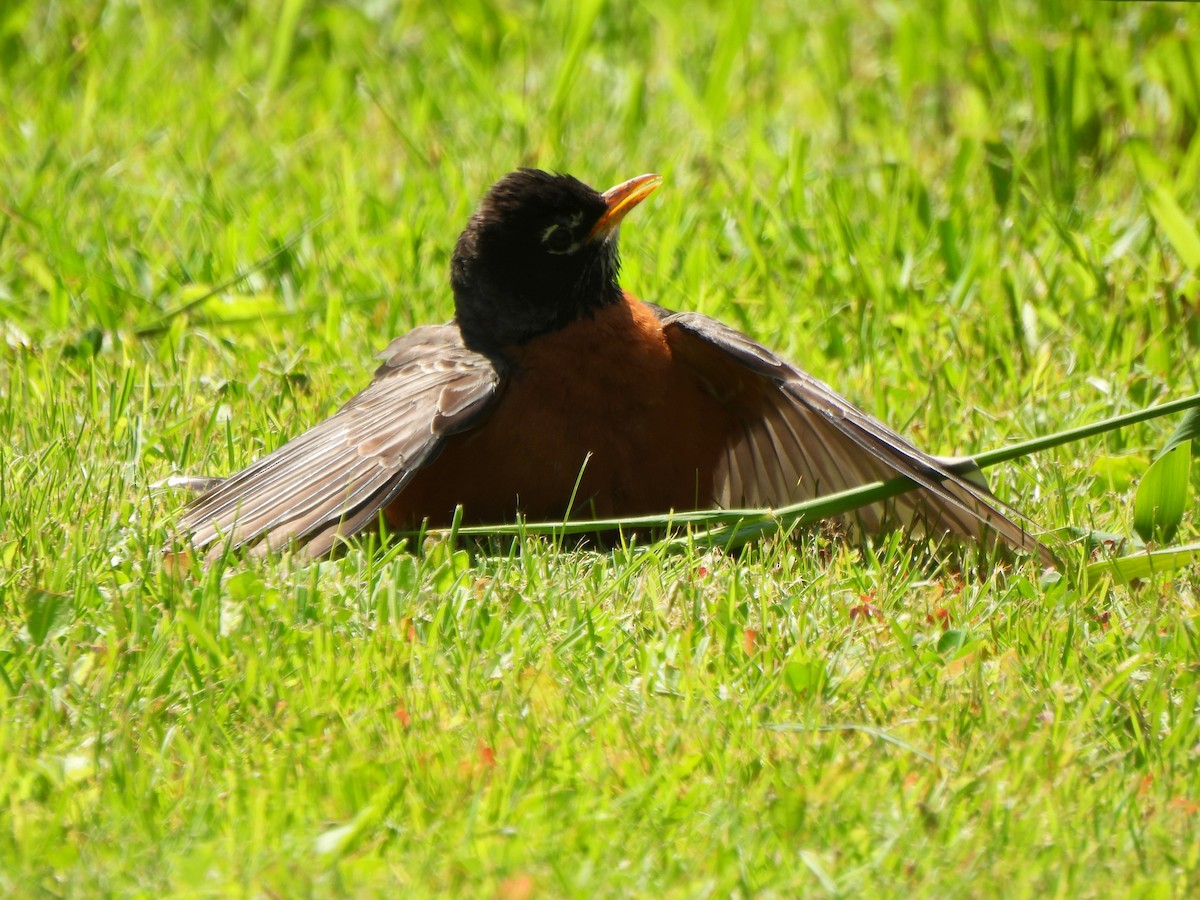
pixel 559 239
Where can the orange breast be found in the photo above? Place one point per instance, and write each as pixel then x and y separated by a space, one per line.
pixel 604 397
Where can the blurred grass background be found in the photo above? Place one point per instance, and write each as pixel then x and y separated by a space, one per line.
pixel 978 220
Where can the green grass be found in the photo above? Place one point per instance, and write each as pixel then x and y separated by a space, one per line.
pixel 953 212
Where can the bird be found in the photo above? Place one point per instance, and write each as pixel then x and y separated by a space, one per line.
pixel 553 391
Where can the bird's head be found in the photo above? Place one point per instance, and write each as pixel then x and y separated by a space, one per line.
pixel 539 253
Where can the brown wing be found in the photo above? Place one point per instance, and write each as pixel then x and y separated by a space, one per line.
pixel 798 439
pixel 332 480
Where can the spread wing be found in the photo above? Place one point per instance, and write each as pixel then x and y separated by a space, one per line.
pixel 799 439
pixel 332 480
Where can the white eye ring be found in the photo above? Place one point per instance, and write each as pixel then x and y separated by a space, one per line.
pixel 558 251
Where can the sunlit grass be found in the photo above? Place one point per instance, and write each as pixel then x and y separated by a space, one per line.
pixel 213 214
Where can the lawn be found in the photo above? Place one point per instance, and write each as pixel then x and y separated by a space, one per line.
pixel 967 217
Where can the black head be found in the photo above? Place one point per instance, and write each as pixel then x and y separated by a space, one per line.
pixel 539 253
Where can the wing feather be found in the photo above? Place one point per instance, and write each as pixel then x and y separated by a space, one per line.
pixel 803 440
pixel 332 481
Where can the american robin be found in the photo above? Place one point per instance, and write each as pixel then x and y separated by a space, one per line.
pixel 554 391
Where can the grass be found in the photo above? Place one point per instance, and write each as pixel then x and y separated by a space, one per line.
pixel 213 214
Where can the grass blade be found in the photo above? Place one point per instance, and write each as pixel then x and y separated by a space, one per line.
pixel 1162 495
pixel 1178 229
pixel 1143 565
pixel 732 527
pixel 1188 430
